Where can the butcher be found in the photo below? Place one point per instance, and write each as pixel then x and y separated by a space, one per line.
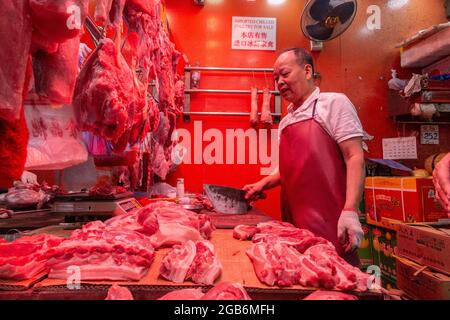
pixel 321 167
pixel 441 179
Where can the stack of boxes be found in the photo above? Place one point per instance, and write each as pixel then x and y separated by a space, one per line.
pixel 423 266
pixel 391 202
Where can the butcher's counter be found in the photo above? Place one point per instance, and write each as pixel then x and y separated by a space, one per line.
pixel 231 252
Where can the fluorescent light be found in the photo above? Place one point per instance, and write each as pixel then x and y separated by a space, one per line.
pixel 275 2
pixel 397 4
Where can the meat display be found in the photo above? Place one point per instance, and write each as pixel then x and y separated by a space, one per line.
pixel 178 225
pixel 194 261
pixel 227 291
pixel 221 291
pixel 26 257
pixel 284 255
pixel 266 116
pixel 330 295
pixel 102 253
pixel 116 292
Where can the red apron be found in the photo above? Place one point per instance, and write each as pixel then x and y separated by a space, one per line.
pixel 313 180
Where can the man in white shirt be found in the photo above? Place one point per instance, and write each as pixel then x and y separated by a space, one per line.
pixel 321 170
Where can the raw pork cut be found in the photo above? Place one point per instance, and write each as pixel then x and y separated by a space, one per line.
pixel 276 231
pixel 116 292
pixel 59 20
pixel 194 261
pixel 25 257
pixel 244 232
pixel 221 291
pixel 275 263
pixel 266 116
pixel 227 291
pixel 178 225
pixel 148 224
pixel 102 9
pixel 104 92
pixel 102 253
pixel 330 295
pixel 55 74
pixel 15 34
pixel 183 294
pixel 254 106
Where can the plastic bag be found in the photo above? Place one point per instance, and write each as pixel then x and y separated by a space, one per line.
pixel 55 141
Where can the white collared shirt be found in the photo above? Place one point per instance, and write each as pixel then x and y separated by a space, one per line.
pixel 334 112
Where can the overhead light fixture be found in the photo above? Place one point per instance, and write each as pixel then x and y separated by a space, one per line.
pixel 275 2
pixel 397 4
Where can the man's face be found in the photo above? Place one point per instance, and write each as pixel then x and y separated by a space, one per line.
pixel 293 80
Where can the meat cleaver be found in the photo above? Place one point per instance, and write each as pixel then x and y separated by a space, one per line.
pixel 227 200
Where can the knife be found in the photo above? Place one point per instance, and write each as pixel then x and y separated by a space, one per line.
pixel 227 200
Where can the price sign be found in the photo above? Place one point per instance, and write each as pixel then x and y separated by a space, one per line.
pixel 429 134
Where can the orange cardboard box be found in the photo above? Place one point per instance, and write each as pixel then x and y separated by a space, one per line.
pixel 425 284
pixel 428 245
pixel 406 199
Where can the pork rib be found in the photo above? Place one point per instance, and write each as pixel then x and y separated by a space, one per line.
pixel 194 261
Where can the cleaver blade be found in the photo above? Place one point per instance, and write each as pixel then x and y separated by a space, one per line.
pixel 227 200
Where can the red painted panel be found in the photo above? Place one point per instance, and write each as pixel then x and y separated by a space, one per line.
pixel 358 63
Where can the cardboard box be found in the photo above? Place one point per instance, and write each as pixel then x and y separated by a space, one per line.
pixel 365 251
pixel 388 283
pixel 406 199
pixel 426 285
pixel 384 243
pixel 428 245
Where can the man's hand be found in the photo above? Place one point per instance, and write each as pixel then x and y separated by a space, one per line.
pixel 441 180
pixel 255 191
pixel 350 233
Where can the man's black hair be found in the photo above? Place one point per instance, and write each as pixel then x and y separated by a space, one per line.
pixel 303 56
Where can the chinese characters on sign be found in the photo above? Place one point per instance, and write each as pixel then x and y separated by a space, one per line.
pixel 253 33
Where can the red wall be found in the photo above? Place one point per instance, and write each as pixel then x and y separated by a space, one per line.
pixel 357 63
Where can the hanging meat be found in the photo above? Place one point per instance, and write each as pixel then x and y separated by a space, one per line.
pixel 104 93
pixel 58 20
pixel 266 117
pixel 254 107
pixel 14 133
pixel 55 73
pixel 15 34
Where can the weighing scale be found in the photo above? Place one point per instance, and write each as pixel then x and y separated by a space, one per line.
pixel 81 207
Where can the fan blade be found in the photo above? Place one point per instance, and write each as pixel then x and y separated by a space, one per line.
pixel 343 11
pixel 319 32
pixel 320 9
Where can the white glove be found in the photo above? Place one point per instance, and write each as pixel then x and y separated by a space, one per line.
pixel 349 230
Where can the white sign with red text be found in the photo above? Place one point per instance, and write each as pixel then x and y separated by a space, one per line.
pixel 254 33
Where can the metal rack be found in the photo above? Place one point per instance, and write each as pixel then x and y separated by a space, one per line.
pixel 188 91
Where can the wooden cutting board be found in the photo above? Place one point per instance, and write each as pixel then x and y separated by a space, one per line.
pixel 229 221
